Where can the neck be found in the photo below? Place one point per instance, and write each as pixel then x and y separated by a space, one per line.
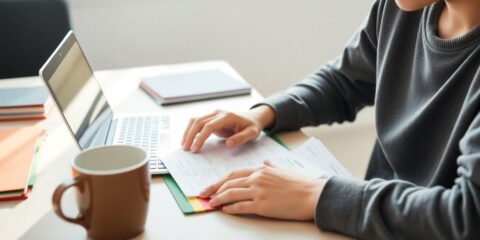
pixel 458 17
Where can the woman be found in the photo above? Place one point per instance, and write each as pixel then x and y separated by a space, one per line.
pixel 418 62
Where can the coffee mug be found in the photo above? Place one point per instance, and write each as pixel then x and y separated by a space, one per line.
pixel 113 187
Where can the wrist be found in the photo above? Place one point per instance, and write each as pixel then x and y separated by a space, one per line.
pixel 264 115
pixel 314 195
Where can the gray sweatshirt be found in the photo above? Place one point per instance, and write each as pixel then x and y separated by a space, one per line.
pixel 423 181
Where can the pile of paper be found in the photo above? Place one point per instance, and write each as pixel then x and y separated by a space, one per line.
pixel 193 172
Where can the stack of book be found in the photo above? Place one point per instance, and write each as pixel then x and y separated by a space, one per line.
pixel 20 151
pixel 25 103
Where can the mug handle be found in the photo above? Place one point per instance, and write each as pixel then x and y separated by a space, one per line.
pixel 57 199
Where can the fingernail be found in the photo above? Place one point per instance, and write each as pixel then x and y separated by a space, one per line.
pixel 212 203
pixel 203 192
pixel 195 149
pixel 229 143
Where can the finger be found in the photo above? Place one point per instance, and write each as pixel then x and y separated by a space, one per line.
pixel 224 133
pixel 231 196
pixel 210 127
pixel 207 192
pixel 243 182
pixel 191 121
pixel 244 207
pixel 189 125
pixel 243 136
pixel 197 125
pixel 268 163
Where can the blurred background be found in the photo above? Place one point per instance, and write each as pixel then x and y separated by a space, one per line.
pixel 271 43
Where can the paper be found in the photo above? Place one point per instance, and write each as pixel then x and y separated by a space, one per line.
pixel 315 153
pixel 193 172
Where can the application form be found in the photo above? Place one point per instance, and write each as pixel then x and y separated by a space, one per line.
pixel 315 153
pixel 193 172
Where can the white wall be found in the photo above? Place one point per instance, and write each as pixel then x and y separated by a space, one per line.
pixel 271 43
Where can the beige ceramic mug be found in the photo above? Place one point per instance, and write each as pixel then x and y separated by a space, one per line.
pixel 113 187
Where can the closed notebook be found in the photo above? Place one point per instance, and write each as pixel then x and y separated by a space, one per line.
pixel 17 153
pixel 192 86
pixel 24 97
pixel 25 103
pixel 24 193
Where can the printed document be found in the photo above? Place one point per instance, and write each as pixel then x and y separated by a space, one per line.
pixel 193 172
pixel 315 153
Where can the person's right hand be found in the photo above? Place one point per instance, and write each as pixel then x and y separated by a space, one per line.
pixel 237 128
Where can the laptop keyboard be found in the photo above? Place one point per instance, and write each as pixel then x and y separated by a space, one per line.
pixel 144 132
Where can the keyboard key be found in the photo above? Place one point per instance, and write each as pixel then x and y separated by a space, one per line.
pixel 144 132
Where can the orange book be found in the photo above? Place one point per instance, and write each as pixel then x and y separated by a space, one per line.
pixel 17 150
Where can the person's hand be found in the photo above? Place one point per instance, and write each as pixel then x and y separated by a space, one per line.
pixel 266 191
pixel 238 128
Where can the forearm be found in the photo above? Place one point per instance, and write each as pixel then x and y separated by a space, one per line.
pixel 324 97
pixel 337 91
pixel 380 209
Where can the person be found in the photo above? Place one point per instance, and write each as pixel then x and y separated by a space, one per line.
pixel 418 62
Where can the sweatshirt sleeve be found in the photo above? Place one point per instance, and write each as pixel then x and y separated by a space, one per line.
pixel 381 209
pixel 337 91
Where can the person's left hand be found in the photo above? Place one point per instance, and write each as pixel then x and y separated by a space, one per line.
pixel 266 191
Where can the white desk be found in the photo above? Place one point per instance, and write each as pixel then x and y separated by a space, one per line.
pixel 34 219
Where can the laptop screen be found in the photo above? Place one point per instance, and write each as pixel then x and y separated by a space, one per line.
pixel 78 94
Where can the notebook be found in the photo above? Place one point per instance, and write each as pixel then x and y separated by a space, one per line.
pixel 18 152
pixel 25 97
pixel 193 86
pixel 23 103
pixel 24 193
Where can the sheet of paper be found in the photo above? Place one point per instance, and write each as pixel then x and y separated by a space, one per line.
pixel 193 172
pixel 313 152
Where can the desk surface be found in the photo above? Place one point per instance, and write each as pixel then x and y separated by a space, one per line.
pixel 35 219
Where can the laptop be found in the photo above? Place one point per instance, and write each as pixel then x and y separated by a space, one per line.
pixel 87 113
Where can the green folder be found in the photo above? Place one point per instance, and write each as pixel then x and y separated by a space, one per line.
pixel 182 201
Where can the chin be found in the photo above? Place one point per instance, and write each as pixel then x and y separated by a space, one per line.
pixel 413 5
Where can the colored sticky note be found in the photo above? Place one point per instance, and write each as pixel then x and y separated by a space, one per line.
pixel 187 205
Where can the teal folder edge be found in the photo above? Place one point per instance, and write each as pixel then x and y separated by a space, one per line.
pixel 181 199
pixel 33 175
